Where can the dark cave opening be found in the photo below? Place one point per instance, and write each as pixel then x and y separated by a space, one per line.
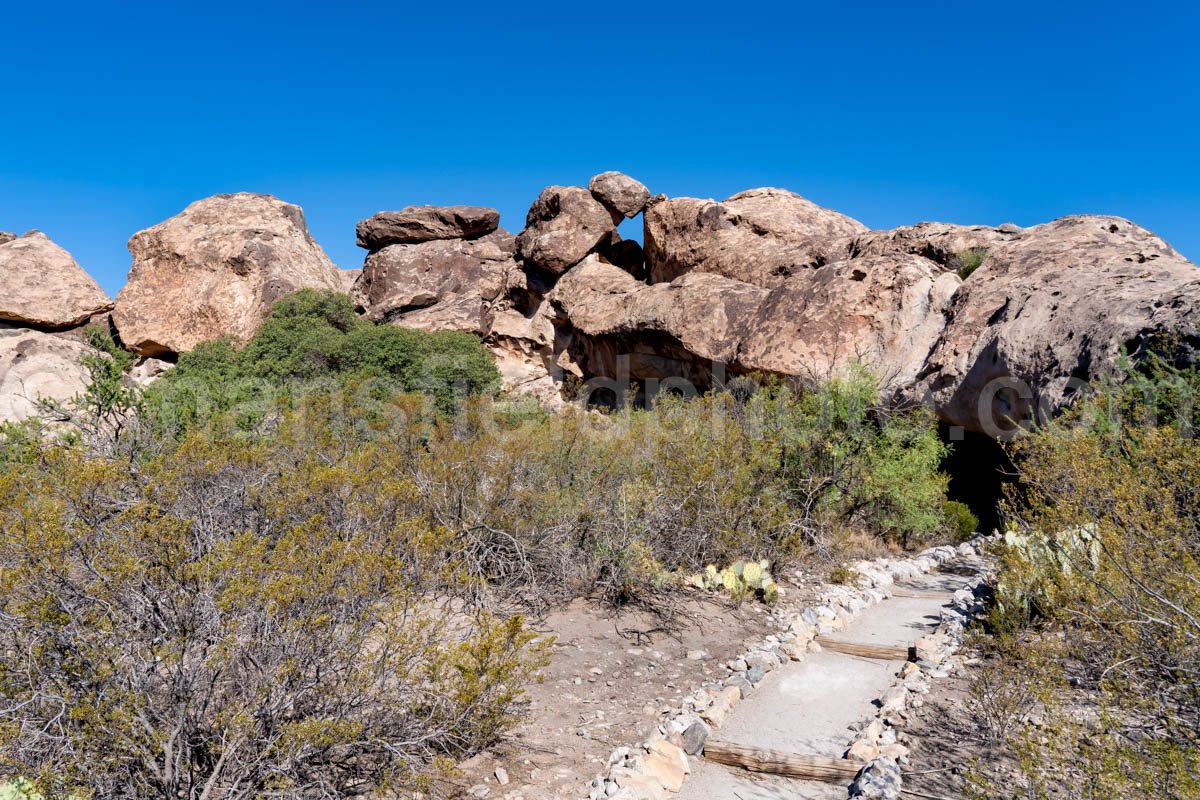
pixel 979 469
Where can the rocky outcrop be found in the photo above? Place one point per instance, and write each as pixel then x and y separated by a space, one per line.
pixel 36 367
pixel 6 237
pixel 214 270
pixel 1051 309
pixel 417 224
pixel 564 225
pixel 41 285
pixel 760 236
pixel 621 194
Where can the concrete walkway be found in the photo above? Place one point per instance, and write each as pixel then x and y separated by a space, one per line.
pixel 815 706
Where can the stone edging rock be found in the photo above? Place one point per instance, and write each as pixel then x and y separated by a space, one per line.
pixel 659 765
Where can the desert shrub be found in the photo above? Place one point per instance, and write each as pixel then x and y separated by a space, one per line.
pixel 313 343
pixel 970 260
pixel 240 620
pixel 1104 548
pixel 842 575
pixel 960 520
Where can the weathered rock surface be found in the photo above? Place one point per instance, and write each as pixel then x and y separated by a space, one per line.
pixel 620 193
pixel 349 278
pixel 214 270
pixel 417 224
pixel 942 243
pixel 882 312
pixel 564 225
pixel 405 277
pixel 760 236
pixel 6 237
pixel 42 286
pixel 36 366
pixel 1050 309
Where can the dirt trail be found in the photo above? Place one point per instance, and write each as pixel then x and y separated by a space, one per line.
pixel 815 706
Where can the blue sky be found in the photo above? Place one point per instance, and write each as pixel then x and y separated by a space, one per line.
pixel 116 115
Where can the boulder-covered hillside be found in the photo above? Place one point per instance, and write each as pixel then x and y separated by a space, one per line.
pixel 987 325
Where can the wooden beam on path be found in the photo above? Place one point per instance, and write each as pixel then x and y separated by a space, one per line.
pixel 792 765
pixel 914 594
pixel 878 651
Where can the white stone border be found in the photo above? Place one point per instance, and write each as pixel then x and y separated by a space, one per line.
pixel 659 765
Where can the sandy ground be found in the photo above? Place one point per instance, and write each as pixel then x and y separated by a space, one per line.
pixel 611 678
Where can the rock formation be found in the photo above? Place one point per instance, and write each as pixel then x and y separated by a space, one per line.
pixel 214 270
pixel 41 285
pixel 401 281
pixel 768 281
pixel 417 224
pixel 988 326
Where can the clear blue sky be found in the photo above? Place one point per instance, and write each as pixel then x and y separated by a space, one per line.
pixel 116 115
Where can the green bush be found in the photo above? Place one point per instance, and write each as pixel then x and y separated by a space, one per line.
pixel 970 260
pixel 963 524
pixel 1103 553
pixel 313 342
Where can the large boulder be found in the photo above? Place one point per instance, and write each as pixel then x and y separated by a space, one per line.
pixel 214 270
pixel 417 224
pixel 35 367
pixel 403 278
pixel 621 194
pixel 759 236
pixel 1049 310
pixel 564 225
pixel 42 286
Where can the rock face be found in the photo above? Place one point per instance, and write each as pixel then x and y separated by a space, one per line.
pixel 41 286
pixel 1049 309
pixel 882 312
pixel 214 270
pixel 6 237
pixel 564 225
pixel 37 366
pixel 417 224
pixel 620 193
pixel 760 236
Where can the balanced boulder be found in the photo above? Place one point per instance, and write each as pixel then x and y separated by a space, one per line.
pixel 42 286
pixel 564 225
pixel 760 236
pixel 417 224
pixel 214 270
pixel 620 193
